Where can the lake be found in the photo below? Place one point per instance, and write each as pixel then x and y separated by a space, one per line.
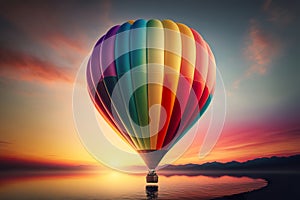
pixel 115 185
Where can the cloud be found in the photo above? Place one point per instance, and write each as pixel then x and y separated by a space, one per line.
pixel 261 49
pixel 253 140
pixel 261 46
pixel 2 142
pixel 57 41
pixel 24 67
pixel 244 145
pixel 9 163
pixel 54 37
pixel 57 25
pixel 48 30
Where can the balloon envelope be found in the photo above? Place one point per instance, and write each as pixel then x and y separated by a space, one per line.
pixel 151 81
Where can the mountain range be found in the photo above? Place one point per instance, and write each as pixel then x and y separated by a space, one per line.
pixel 291 163
pixel 272 163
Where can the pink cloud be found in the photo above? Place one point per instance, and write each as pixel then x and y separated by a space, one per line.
pixel 56 37
pixel 261 49
pixel 66 49
pixel 60 40
pixel 246 145
pixel 23 67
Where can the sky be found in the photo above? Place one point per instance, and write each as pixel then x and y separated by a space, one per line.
pixel 255 44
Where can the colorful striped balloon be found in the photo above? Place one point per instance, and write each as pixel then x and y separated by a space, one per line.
pixel 151 81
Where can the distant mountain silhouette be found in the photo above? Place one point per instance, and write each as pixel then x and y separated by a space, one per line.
pixel 12 164
pixel 273 163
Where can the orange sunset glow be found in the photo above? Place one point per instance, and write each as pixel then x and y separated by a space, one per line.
pixel 43 52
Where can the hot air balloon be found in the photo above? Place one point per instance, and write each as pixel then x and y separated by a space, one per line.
pixel 151 81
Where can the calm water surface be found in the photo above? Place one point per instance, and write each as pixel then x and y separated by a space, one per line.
pixel 114 185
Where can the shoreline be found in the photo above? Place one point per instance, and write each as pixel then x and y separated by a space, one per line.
pixel 280 186
pixel 242 195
